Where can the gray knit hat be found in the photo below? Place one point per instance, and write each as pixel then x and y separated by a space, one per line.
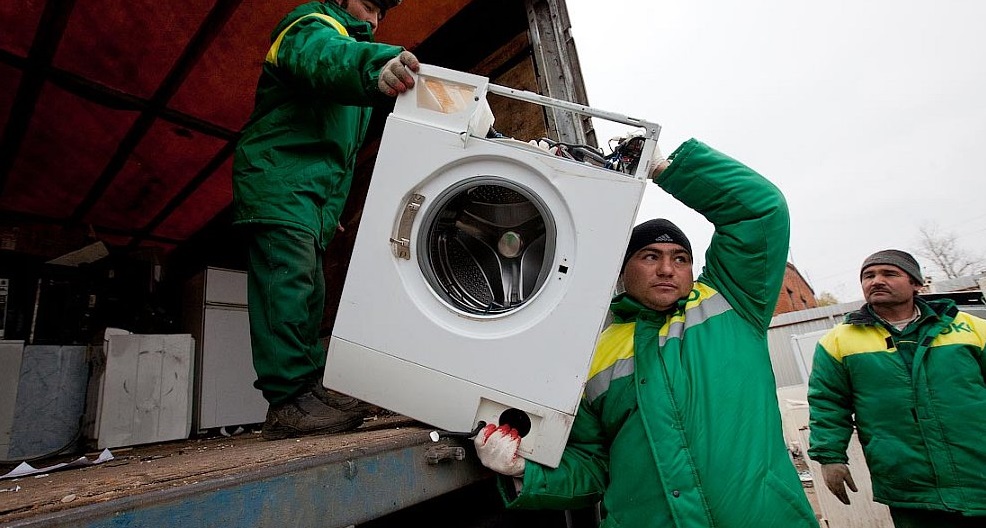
pixel 895 257
pixel 652 231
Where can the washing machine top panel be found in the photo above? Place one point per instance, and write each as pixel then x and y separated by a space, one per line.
pixel 487 261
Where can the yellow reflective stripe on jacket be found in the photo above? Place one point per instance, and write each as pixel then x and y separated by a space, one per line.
pixel 272 52
pixel 615 343
pixel 703 303
pixel 965 329
pixel 613 359
pixel 848 340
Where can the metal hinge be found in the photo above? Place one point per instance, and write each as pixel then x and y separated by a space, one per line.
pixel 436 454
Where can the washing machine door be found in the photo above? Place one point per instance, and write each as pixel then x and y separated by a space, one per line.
pixel 487 245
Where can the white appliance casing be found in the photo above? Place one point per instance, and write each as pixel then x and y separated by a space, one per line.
pixel 399 344
pixel 216 315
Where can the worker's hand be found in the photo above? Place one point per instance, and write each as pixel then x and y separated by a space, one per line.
pixel 836 477
pixel 395 77
pixel 497 450
pixel 658 163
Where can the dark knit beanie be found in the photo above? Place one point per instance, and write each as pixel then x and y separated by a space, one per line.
pixel 895 257
pixel 654 231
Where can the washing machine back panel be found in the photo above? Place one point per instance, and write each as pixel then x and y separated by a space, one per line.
pixel 539 352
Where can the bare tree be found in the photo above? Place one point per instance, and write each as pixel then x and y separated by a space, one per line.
pixel 944 252
pixel 827 299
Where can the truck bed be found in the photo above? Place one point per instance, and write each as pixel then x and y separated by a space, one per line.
pixel 387 464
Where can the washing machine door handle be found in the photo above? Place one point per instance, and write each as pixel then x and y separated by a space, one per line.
pixel 400 242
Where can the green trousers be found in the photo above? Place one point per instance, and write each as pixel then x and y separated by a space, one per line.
pixel 286 300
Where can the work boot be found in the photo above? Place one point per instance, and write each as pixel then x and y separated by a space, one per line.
pixel 306 415
pixel 334 399
pixel 343 402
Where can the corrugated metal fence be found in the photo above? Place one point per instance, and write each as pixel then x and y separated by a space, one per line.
pixel 783 327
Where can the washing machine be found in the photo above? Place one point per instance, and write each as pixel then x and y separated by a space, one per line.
pixel 482 270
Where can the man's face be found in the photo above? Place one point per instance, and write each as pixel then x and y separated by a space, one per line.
pixel 658 275
pixel 364 10
pixel 885 285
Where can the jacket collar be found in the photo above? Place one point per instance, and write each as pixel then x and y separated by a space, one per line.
pixel 626 309
pixel 357 29
pixel 940 309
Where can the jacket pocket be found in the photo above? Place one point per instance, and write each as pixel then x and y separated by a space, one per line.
pixel 897 467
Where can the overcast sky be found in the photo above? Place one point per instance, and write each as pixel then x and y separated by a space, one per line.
pixel 869 115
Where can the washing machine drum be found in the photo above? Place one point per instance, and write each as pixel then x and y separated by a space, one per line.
pixel 487 245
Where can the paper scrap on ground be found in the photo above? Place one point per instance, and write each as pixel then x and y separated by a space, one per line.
pixel 25 469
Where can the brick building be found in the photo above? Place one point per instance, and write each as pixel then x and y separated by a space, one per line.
pixel 795 293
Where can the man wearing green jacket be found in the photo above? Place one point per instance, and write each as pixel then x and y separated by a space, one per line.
pixel 291 175
pixel 912 373
pixel 679 424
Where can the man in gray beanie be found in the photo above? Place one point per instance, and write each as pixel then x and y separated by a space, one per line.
pixel 895 257
pixel 909 373
pixel 679 424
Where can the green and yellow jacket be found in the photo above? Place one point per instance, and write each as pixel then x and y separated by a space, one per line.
pixel 679 424
pixel 919 399
pixel 294 163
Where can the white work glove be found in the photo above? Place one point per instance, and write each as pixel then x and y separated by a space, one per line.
pixel 497 450
pixel 657 163
pixel 836 477
pixel 394 76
